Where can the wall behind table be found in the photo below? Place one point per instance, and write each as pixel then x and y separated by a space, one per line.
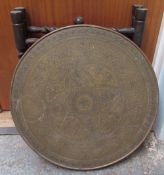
pixel 108 13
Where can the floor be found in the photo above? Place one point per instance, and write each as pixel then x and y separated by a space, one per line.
pixel 6 120
pixel 16 158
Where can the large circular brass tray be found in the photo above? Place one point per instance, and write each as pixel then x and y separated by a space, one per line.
pixel 84 97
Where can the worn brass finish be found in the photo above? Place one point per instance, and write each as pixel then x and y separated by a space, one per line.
pixel 84 97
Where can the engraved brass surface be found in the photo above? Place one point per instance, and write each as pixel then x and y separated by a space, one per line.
pixel 84 97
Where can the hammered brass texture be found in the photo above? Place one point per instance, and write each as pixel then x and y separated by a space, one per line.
pixel 84 97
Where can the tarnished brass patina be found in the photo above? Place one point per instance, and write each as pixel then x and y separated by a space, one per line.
pixel 84 97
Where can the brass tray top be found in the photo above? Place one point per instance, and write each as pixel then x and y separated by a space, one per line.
pixel 84 97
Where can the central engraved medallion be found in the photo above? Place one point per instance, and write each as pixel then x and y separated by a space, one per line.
pixel 83 103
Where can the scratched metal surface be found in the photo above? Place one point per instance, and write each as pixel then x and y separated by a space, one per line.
pixel 84 97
